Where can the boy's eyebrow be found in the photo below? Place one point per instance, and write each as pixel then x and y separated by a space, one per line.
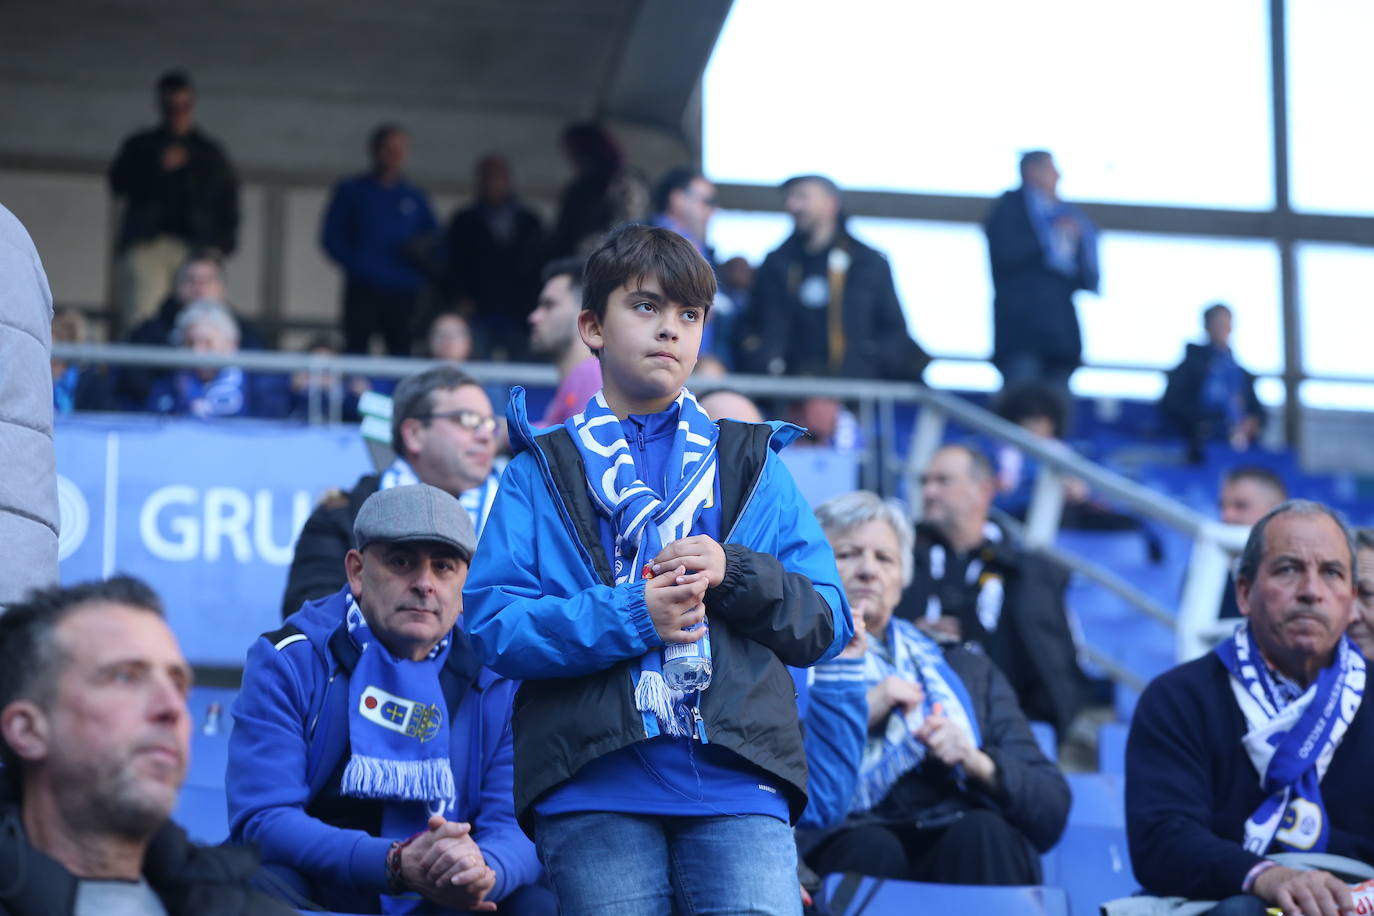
pixel 647 294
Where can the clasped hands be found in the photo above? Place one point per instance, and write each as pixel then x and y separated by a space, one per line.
pixel 946 741
pixel 675 591
pixel 445 865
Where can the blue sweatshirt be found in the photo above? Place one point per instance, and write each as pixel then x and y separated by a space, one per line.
pixel 291 734
pixel 367 227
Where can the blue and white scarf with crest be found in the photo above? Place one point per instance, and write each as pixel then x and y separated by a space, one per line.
pixel 643 521
pixel 1291 741
pixel 908 653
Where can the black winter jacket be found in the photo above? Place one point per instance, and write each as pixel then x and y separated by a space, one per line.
pixel 1032 644
pixel 190 880
pixel 876 343
pixel 1033 310
pixel 198 202
pixel 1182 402
pixel 317 569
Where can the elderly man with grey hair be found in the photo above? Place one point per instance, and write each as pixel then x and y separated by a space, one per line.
pixel 1362 626
pixel 1261 747
pixel 206 326
pixel 952 786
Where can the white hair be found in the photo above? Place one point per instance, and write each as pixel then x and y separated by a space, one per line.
pixel 849 510
pixel 205 311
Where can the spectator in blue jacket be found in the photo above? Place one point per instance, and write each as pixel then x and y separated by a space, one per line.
pixel 375 230
pixel 951 784
pixel 614 539
pixel 208 327
pixel 371 755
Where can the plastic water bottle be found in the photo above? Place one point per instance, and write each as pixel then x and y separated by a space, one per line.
pixel 687 666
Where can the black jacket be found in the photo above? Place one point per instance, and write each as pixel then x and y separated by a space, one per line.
pixel 198 202
pixel 1032 642
pixel 317 569
pixel 1182 403
pixel 875 343
pixel 1032 794
pixel 1032 309
pixel 499 277
pixel 763 618
pixel 190 880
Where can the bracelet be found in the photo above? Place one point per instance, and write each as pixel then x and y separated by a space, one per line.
pixel 395 884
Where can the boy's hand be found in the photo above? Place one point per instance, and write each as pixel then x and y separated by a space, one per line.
pixel 674 601
pixel 699 553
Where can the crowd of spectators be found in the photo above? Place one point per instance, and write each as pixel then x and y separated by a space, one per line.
pixel 871 680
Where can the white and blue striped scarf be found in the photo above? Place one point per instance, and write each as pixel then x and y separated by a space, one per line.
pixel 477 501
pixel 1290 741
pixel 644 522
pixel 908 653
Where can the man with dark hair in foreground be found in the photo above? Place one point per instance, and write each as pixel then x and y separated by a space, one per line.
pixel 96 737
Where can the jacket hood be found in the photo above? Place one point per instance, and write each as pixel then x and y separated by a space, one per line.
pixel 522 434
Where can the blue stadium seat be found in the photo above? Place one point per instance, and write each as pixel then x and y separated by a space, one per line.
pixel 849 895
pixel 1094 866
pixel 202 808
pixel 1111 748
pixel 1098 800
pixel 1044 736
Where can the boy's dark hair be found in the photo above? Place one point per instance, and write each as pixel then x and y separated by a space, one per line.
pixel 632 251
pixel 30 658
pixel 173 81
pixel 572 268
pixel 678 179
pixel 414 398
pixel 1029 400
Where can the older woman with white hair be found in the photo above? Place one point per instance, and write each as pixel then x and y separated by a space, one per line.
pixel 952 785
pixel 207 326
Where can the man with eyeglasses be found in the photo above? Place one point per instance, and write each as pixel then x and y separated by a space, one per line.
pixel 443 431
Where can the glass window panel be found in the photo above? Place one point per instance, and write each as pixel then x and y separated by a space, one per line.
pixel 1165 103
pixel 1155 287
pixel 1330 95
pixel 956 375
pixel 1337 395
pixel 1336 292
pixel 1118 383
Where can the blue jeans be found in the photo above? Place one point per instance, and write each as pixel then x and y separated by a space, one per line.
pixel 610 864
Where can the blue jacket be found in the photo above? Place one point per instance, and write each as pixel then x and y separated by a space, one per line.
pixel 541 606
pixel 291 734
pixel 832 699
pixel 367 227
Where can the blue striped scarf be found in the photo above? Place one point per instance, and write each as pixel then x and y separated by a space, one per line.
pixel 644 522
pixel 908 653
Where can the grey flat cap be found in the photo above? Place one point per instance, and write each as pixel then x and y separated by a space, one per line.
pixel 416 512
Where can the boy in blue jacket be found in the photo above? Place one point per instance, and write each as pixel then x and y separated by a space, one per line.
pixel 637 532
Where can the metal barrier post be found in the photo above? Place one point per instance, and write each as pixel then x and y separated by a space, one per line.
pixel 1046 508
pixel 1202 593
pixel 925 439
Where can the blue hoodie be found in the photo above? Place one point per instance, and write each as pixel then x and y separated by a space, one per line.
pixel 291 734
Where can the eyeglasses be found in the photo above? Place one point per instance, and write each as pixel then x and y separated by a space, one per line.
pixel 468 419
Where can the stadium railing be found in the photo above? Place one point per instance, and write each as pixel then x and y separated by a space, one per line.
pixel 1195 624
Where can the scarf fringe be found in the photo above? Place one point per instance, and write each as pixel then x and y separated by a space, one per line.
pixel 652 695
pixel 378 777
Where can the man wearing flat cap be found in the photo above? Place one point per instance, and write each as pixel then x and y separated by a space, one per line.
pixel 370 758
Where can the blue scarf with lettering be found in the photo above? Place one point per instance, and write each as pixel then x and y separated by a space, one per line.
pixel 1290 740
pixel 910 654
pixel 643 522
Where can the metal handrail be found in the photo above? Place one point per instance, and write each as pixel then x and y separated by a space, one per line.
pixel 1214 543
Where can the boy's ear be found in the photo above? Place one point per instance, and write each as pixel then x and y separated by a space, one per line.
pixel 589 327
